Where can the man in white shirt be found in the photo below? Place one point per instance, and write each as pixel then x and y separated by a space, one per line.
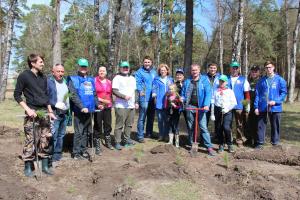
pixel 124 88
pixel 241 89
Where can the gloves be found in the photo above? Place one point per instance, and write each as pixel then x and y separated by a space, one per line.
pixel 212 112
pixel 248 108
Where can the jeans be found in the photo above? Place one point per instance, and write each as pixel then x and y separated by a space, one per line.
pixel 146 110
pixel 58 132
pixel 163 124
pixel 202 122
pixel 82 129
pixel 274 118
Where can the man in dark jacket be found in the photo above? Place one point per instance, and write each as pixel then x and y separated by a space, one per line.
pixel 59 100
pixel 33 85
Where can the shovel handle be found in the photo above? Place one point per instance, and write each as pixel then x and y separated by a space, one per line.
pixel 196 121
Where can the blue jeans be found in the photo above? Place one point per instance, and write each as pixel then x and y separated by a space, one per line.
pixel 58 131
pixel 146 109
pixel 202 123
pixel 163 124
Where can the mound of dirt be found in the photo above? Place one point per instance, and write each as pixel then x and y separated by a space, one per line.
pixel 7 131
pixel 167 171
pixel 279 154
pixel 164 148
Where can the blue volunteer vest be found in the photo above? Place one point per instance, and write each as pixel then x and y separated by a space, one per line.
pixel 238 91
pixel 85 89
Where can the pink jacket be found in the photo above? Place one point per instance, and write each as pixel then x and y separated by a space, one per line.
pixel 104 90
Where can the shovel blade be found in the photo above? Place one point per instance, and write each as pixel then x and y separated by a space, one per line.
pixel 194 149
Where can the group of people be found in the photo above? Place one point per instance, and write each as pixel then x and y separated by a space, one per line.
pixel 209 96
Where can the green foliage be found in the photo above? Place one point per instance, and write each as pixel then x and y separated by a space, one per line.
pixel 139 154
pixel 226 159
pixel 41 113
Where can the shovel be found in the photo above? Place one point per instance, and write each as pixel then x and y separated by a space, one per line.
pixel 194 149
pixel 37 164
pixel 91 152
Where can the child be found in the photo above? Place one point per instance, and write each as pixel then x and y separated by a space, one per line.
pixel 173 104
pixel 224 103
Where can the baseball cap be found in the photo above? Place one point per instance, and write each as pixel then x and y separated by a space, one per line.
pixel 179 70
pixel 223 78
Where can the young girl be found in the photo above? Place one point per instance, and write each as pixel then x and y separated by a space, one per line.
pixel 173 104
pixel 225 101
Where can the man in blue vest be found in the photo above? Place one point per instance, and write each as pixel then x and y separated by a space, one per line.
pixel 270 92
pixel 83 102
pixel 241 89
pixel 144 78
pixel 196 93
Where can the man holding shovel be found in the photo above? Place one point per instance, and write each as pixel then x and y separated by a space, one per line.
pixel 196 94
pixel 33 85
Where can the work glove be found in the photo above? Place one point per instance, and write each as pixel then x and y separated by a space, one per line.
pixel 212 113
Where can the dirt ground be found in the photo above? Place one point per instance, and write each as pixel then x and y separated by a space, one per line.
pixel 155 171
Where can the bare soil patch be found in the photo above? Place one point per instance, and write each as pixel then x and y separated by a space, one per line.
pixel 154 171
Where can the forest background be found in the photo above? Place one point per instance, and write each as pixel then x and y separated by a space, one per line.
pixel 109 31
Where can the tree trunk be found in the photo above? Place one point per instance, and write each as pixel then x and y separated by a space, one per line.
pixel 114 37
pixel 238 34
pixel 188 43
pixel 294 57
pixel 97 35
pixel 288 52
pixel 11 15
pixel 130 5
pixel 56 35
pixel 171 40
pixel 245 57
pixel 160 16
pixel 221 42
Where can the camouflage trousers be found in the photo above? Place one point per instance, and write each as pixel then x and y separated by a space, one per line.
pixel 43 138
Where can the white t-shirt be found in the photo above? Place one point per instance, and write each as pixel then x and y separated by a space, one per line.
pixel 225 99
pixel 62 98
pixel 127 86
pixel 235 79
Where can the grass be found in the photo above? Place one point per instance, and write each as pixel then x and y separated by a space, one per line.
pixel 178 190
pixel 139 153
pixel 9 110
pixel 226 160
pixel 290 126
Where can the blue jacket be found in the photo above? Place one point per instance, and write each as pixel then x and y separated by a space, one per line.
pixel 144 80
pixel 276 91
pixel 204 92
pixel 85 89
pixel 160 89
pixel 214 85
pixel 52 92
pixel 238 91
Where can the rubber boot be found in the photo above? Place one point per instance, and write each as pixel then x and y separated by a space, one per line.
pixel 97 147
pixel 171 137
pixel 177 140
pixel 108 142
pixel 45 167
pixel 27 169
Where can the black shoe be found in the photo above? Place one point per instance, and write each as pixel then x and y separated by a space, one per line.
pixel 78 157
pixel 85 155
pixel 141 141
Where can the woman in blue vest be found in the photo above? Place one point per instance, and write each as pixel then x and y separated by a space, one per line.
pixel 271 91
pixel 160 87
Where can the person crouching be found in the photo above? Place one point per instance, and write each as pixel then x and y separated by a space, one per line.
pixel 225 101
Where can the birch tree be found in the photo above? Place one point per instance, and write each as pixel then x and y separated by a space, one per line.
pixel 238 34
pixel 8 36
pixel 56 34
pixel 291 97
